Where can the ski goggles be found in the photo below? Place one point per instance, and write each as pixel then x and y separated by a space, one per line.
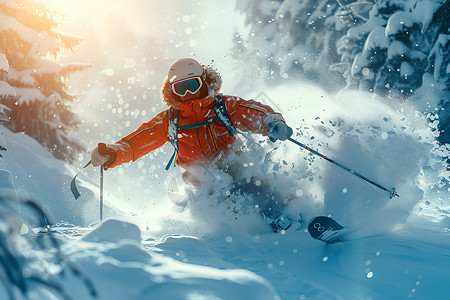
pixel 191 85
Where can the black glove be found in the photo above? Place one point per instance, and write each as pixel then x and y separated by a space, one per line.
pixel 279 131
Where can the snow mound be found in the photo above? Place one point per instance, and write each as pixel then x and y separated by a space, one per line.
pixel 114 231
pixel 115 260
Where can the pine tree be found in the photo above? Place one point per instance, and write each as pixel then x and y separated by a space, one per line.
pixel 395 48
pixel 5 89
pixel 291 39
pixel 40 108
pixel 402 50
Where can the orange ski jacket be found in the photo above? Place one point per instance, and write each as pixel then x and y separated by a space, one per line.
pixel 199 144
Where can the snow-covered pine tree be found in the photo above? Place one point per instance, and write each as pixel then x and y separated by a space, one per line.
pixel 391 47
pixel 291 38
pixel 5 89
pixel 40 108
pixel 402 50
pixel 395 45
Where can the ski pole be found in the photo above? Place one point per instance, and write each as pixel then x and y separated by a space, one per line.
pixel 101 193
pixel 76 193
pixel 392 192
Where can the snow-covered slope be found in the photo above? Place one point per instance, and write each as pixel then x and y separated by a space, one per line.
pixel 36 172
pixel 122 268
pixel 205 251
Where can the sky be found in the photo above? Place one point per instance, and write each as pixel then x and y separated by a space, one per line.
pixel 201 28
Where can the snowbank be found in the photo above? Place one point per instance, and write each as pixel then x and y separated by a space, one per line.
pixel 120 268
pixel 37 173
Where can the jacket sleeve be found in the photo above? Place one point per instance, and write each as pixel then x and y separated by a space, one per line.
pixel 250 115
pixel 148 137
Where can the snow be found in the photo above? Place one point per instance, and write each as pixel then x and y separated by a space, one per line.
pixel 399 22
pixel 424 11
pixel 41 42
pixel 376 39
pixel 122 262
pixel 6 181
pixel 358 64
pixel 4 66
pixel 397 49
pixel 6 89
pixel 160 240
pixel 435 53
pixel 32 166
pixel 25 76
pixel 359 31
pixel 206 251
pixel 27 95
pixel 406 69
pixel 48 66
pixel 109 232
pixel 269 8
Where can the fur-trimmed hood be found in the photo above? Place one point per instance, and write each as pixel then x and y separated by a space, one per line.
pixel 213 80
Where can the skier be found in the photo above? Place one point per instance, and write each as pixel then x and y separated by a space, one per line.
pixel 201 125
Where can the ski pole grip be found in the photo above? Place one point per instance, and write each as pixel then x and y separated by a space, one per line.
pixel 103 150
pixel 107 151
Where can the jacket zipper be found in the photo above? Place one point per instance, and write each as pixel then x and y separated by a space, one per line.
pixel 213 137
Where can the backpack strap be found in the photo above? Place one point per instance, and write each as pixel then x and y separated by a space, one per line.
pixel 222 115
pixel 198 124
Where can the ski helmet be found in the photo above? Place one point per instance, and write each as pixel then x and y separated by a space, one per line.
pixel 184 68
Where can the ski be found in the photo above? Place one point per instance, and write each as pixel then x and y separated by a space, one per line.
pixel 325 229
